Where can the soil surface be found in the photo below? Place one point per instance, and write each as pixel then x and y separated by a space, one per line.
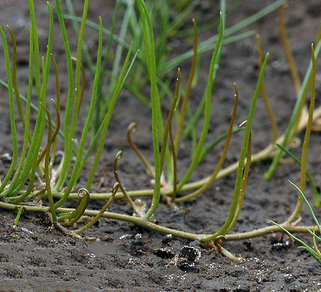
pixel 35 257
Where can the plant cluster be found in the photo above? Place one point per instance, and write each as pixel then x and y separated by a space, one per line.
pixel 33 183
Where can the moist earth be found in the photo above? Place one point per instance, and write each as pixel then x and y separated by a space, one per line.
pixel 35 257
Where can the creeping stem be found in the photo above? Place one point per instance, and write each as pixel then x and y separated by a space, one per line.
pixel 165 230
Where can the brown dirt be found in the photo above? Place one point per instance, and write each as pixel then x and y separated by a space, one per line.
pixel 34 257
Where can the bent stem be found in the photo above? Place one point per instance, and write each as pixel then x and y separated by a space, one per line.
pixel 73 217
pixel 101 212
pixel 120 185
pixel 132 128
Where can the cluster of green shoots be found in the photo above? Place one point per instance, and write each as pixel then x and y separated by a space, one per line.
pixel 168 29
pixel 33 183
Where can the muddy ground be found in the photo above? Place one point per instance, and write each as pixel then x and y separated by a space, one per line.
pixel 34 257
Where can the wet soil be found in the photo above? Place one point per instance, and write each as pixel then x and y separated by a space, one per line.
pixel 34 257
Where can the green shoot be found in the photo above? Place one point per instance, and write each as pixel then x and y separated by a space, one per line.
pixel 78 67
pixel 169 119
pixel 309 206
pixel 309 176
pixel 243 184
pixel 212 145
pixel 151 63
pixel 30 165
pixel 181 121
pixel 306 140
pixel 67 137
pixel 267 106
pixel 207 110
pixel 314 252
pixel 222 158
pixel 14 78
pixel 16 221
pixel 288 51
pixel 75 172
pixel 105 124
pixel 101 99
pixel 12 115
pixel 296 112
pixel 47 162
pixel 26 124
pixel 241 174
pixel 84 48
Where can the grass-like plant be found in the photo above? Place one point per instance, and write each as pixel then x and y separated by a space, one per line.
pixel 316 251
pixel 168 29
pixel 19 190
